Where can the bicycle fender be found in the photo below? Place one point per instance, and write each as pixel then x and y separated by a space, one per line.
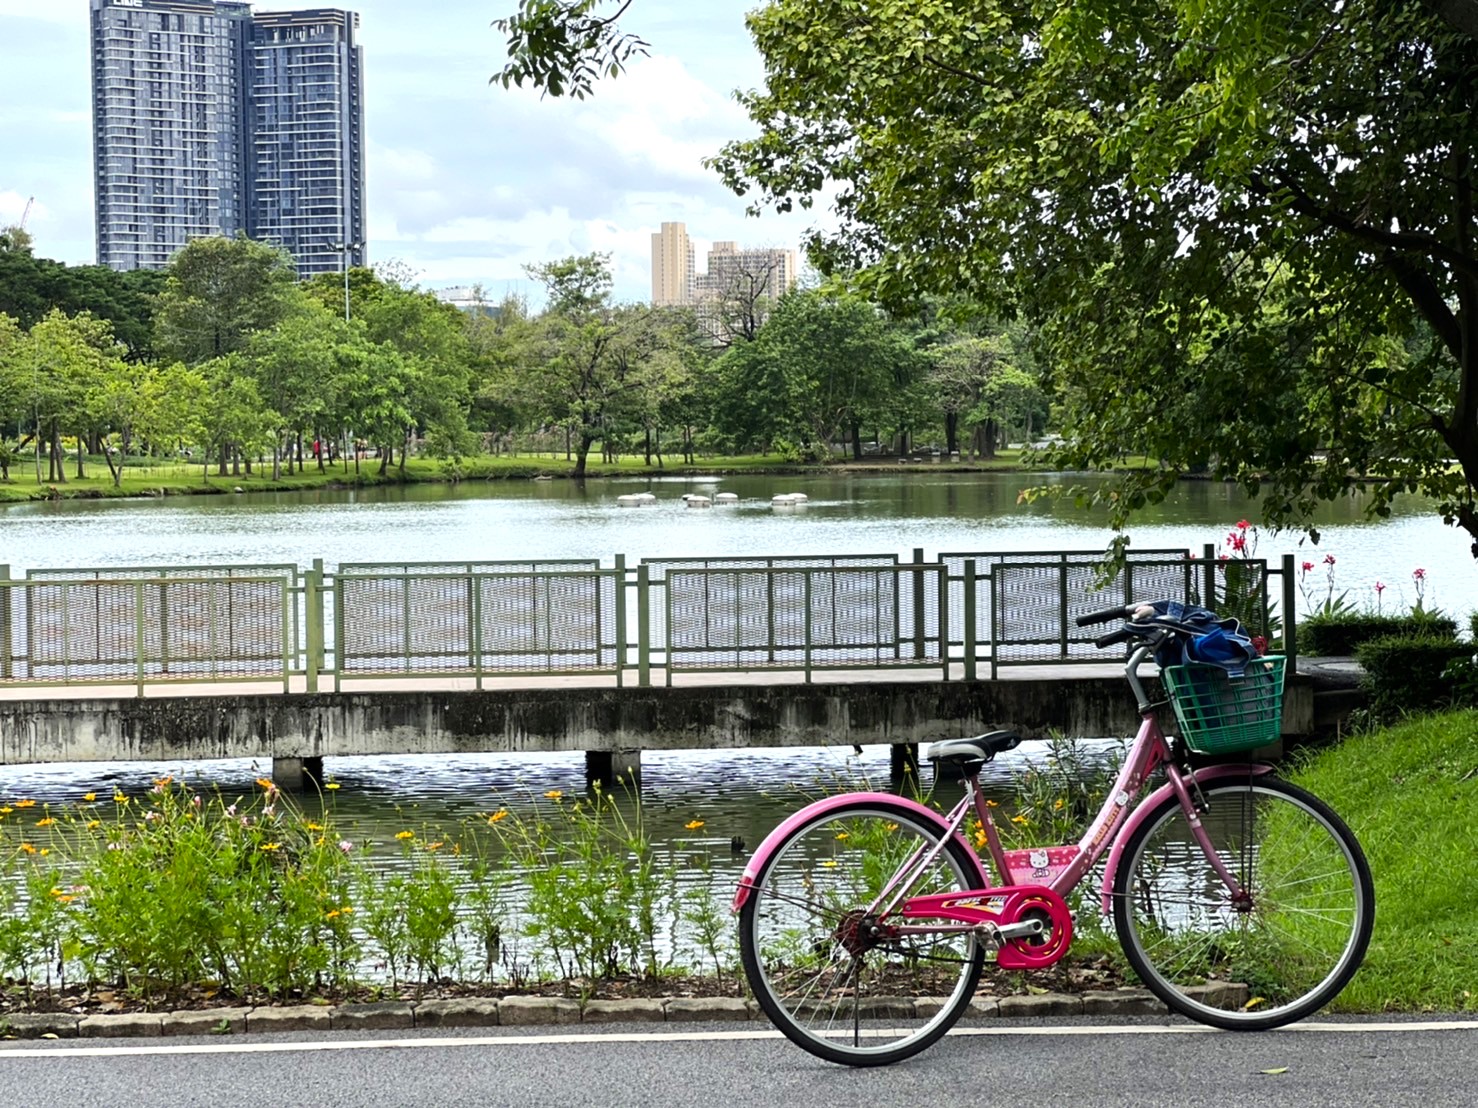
pixel 773 840
pixel 1142 812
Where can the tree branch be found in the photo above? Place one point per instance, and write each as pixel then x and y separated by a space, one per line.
pixel 1461 15
pixel 1300 201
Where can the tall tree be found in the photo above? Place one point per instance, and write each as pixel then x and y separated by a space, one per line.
pixel 219 293
pixel 1142 183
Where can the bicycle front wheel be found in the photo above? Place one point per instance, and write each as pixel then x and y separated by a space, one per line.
pixel 1276 952
pixel 821 961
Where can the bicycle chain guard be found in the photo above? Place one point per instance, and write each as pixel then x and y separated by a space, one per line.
pixel 1000 908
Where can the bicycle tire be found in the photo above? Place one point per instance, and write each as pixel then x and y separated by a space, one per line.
pixel 858 1007
pixel 1264 962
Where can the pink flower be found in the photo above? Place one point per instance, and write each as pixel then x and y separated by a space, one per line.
pixel 1418 574
pixel 1308 566
pixel 345 845
pixel 1329 559
pixel 1239 542
pixel 1242 525
pixel 1380 587
pixel 1260 644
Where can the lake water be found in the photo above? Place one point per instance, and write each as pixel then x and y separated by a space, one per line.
pixel 738 794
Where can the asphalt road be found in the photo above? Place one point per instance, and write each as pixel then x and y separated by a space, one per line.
pixel 1431 1064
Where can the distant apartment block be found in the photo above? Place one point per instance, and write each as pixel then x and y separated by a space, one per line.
pixel 209 119
pixel 762 273
pixel 674 271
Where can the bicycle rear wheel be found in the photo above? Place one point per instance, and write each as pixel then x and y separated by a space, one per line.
pixel 831 984
pixel 1279 953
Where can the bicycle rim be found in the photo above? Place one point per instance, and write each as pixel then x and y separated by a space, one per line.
pixel 804 939
pixel 1277 955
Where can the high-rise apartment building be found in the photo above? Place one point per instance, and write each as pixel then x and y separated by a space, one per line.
pixel 209 120
pixel 760 273
pixel 674 269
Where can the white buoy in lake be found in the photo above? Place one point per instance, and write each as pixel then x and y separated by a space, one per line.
pixel 726 498
pixel 695 501
pixel 788 500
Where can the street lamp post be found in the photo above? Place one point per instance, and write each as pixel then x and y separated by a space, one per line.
pixel 345 249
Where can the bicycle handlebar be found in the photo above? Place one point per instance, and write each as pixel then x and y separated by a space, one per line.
pixel 1108 615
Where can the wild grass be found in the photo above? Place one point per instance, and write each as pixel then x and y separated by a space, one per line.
pixel 1409 793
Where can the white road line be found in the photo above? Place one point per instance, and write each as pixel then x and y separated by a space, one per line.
pixel 237 1047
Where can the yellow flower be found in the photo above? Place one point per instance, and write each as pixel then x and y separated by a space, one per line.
pixel 119 798
pixel 94 824
pixel 435 846
pixel 271 846
pixel 65 899
pixel 554 794
pixel 843 836
pixel 331 785
pixel 500 814
pixel 693 825
pixel 25 804
pixel 1058 805
pixel 348 911
pixel 335 914
pixel 311 826
pixel 830 863
pixel 56 892
pixel 403 836
pixel 89 797
pixel 1019 819
pixel 980 839
pixel 47 822
pixel 6 811
pixel 890 827
pixel 266 784
pixel 45 851
pixel 27 848
pixel 991 804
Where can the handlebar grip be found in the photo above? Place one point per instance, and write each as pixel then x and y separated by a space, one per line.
pixel 1108 615
pixel 1113 638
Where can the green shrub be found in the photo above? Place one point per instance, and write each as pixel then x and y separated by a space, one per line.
pixel 1339 635
pixel 1405 675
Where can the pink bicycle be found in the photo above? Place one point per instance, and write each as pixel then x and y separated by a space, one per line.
pixel 1240 900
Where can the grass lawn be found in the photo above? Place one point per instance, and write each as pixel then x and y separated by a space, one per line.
pixel 168 479
pixel 1410 793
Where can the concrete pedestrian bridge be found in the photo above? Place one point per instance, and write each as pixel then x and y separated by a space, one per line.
pixel 185 663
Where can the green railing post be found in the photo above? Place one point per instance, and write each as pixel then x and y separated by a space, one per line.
pixel 644 628
pixel 770 605
pixel 7 663
pixel 1208 572
pixel 918 604
pixel 313 625
pixel 472 655
pixel 995 613
pixel 620 618
pixel 970 588
pixel 1290 632
pixel 942 577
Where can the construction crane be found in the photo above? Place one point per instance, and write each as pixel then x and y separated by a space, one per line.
pixel 25 215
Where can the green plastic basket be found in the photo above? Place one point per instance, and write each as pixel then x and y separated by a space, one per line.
pixel 1220 714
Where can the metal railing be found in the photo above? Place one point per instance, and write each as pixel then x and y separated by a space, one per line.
pixel 960 614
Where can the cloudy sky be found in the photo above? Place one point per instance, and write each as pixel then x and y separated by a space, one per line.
pixel 467 182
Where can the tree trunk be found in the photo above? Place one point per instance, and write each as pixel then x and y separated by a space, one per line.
pixel 856 442
pixel 81 439
pixel 58 469
pixel 952 432
pixel 586 442
pixel 648 447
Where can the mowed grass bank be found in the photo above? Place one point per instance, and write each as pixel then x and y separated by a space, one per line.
pixel 1410 793
pixel 168 479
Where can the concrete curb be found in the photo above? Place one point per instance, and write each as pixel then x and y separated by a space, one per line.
pixel 524 1011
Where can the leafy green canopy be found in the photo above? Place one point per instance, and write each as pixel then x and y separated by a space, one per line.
pixel 563 46
pixel 1245 229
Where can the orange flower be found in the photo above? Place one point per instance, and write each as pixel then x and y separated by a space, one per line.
pixel 47 822
pixel 25 804
pixel 435 846
pixel 554 794
pixel 500 814
pixel 266 784
pixel 694 825
pixel 27 848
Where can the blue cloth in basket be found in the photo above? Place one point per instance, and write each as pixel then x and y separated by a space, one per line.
pixel 1222 642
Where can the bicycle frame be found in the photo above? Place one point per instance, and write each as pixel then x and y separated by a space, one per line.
pixel 1036 877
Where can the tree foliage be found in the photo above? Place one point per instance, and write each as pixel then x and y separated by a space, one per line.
pixel 565 46
pixel 1245 229
pixel 221 291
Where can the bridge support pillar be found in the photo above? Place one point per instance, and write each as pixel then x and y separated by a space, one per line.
pixel 904 759
pixel 614 769
pixel 297 774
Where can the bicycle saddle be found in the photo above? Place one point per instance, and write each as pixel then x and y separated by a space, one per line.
pixel 982 748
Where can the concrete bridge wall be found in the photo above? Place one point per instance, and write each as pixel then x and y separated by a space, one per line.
pixel 312 726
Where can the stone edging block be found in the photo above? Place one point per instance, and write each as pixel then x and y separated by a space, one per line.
pixel 536 1011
